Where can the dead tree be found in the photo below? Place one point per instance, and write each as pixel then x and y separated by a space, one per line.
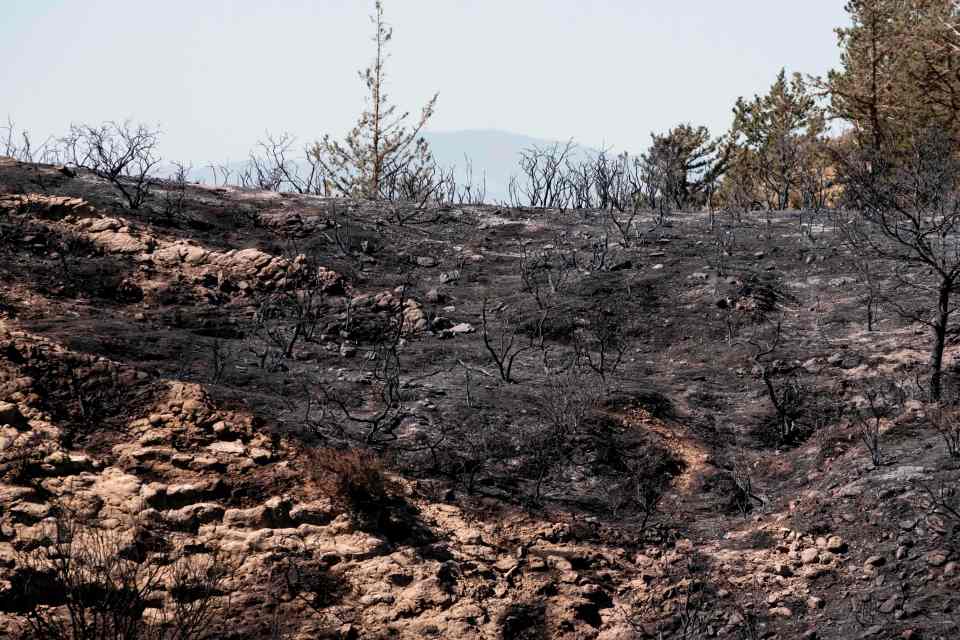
pixel 379 426
pixel 175 194
pixel 878 404
pixel 945 420
pixel 286 316
pixel 545 274
pixel 544 169
pixel 602 344
pixel 910 206
pixel 271 168
pixel 866 268
pixel 121 153
pixel 503 344
pixel 20 146
pixel 787 397
pixel 221 174
pixel 565 401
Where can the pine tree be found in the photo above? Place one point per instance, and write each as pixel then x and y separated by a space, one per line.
pixel 684 164
pixel 899 72
pixel 776 130
pixel 381 145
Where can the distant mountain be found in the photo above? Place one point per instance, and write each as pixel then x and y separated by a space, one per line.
pixel 493 154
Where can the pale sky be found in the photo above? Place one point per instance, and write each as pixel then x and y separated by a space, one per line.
pixel 214 74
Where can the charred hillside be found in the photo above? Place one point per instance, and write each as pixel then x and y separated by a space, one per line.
pixel 247 414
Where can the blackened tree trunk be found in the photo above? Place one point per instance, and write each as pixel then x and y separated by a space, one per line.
pixel 939 340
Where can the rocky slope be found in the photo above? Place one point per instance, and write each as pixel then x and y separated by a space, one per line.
pixel 143 393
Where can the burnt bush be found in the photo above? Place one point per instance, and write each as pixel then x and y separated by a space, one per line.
pixel 79 585
pixel 732 489
pixel 355 481
pixel 635 493
pixel 81 394
pixel 761 295
pixel 556 326
pixel 93 277
pixel 310 580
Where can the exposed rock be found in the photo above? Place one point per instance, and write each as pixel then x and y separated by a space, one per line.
pixel 836 544
pixel 52 207
pixel 191 517
pixel 123 242
pixel 875 561
pixel 161 496
pixel 273 514
pixel 225 446
pixel 890 604
pixel 10 415
pixel 29 512
pixel 318 512
pixel 937 558
pixel 61 463
pixel 260 456
pixel 810 556
pixel 414 319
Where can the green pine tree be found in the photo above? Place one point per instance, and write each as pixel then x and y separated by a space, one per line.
pixel 382 144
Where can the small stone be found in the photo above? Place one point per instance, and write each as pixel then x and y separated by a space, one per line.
pixel 781 612
pixel 875 561
pixel 836 544
pixel 450 276
pixel 814 602
pixel 426 261
pixel 810 556
pixel 907 524
pixel 260 456
pixel 888 605
pixel 461 328
pixel 559 563
pixel 221 428
pixel 937 558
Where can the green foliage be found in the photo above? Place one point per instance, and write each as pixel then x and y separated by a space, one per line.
pixel 382 145
pixel 897 72
pixel 682 165
pixel 777 133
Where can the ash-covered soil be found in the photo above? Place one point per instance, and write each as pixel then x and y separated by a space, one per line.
pixel 189 378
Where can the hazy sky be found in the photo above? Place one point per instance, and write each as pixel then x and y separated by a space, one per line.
pixel 215 73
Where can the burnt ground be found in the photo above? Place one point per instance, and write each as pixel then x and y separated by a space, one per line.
pixel 132 353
